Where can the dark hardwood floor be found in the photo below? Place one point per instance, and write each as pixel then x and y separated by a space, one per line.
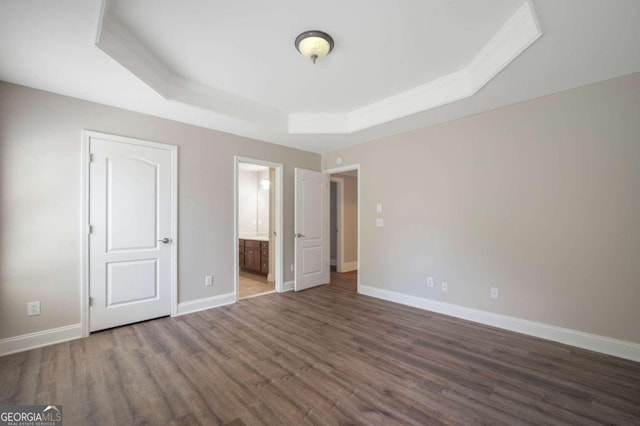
pixel 323 356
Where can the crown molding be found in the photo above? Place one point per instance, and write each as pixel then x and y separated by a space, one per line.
pixel 515 36
pixel 520 31
pixel 114 40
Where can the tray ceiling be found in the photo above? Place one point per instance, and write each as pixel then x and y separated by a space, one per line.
pixel 218 56
pixel 397 66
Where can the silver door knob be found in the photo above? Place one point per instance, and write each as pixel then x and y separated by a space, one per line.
pixel 299 235
pixel 165 240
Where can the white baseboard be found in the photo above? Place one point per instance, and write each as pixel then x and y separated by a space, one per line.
pixel 205 303
pixel 271 277
pixel 38 339
pixel 287 286
pixel 593 342
pixel 349 266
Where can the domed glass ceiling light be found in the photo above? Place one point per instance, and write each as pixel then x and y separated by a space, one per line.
pixel 314 44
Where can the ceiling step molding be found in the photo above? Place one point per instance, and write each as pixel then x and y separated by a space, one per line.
pixel 520 31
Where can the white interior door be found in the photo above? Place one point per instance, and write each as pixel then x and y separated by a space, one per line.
pixel 130 213
pixel 312 229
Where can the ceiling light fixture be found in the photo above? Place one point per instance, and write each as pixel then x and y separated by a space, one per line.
pixel 314 44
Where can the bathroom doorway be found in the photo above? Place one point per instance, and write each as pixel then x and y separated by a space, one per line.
pixel 258 215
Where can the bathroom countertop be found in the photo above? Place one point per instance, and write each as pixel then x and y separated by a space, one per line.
pixel 254 237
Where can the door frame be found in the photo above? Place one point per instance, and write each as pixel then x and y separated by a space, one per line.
pixel 340 220
pixel 85 226
pixel 343 169
pixel 279 212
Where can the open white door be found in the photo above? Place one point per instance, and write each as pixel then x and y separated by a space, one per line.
pixel 131 219
pixel 311 229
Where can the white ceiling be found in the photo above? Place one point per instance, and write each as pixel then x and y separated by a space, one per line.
pixel 246 48
pixel 255 89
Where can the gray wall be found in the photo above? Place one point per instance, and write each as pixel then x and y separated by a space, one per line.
pixel 350 217
pixel 333 221
pixel 40 136
pixel 540 199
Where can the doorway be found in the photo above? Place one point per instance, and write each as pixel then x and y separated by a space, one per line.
pixel 258 218
pixel 344 224
pixel 312 227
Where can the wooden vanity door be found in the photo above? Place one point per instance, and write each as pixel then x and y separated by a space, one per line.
pixel 252 255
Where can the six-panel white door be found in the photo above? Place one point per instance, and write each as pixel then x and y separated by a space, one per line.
pixel 312 229
pixel 130 196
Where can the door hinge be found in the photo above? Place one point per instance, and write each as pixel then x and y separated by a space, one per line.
pixel 90 229
pixel 91 301
pixel 90 158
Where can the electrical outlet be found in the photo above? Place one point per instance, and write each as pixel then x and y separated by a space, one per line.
pixel 494 292
pixel 445 287
pixel 33 308
pixel 429 281
pixel 208 280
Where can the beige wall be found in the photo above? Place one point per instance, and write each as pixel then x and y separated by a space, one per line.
pixel 540 199
pixel 40 144
pixel 350 218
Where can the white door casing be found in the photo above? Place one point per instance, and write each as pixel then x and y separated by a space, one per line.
pixel 131 216
pixel 311 229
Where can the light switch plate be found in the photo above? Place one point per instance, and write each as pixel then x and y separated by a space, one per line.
pixel 379 222
pixel 379 208
pixel 33 308
pixel 208 280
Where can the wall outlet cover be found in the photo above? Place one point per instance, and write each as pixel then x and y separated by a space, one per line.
pixel 429 281
pixel 208 280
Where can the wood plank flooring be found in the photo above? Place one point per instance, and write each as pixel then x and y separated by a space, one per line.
pixel 323 356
